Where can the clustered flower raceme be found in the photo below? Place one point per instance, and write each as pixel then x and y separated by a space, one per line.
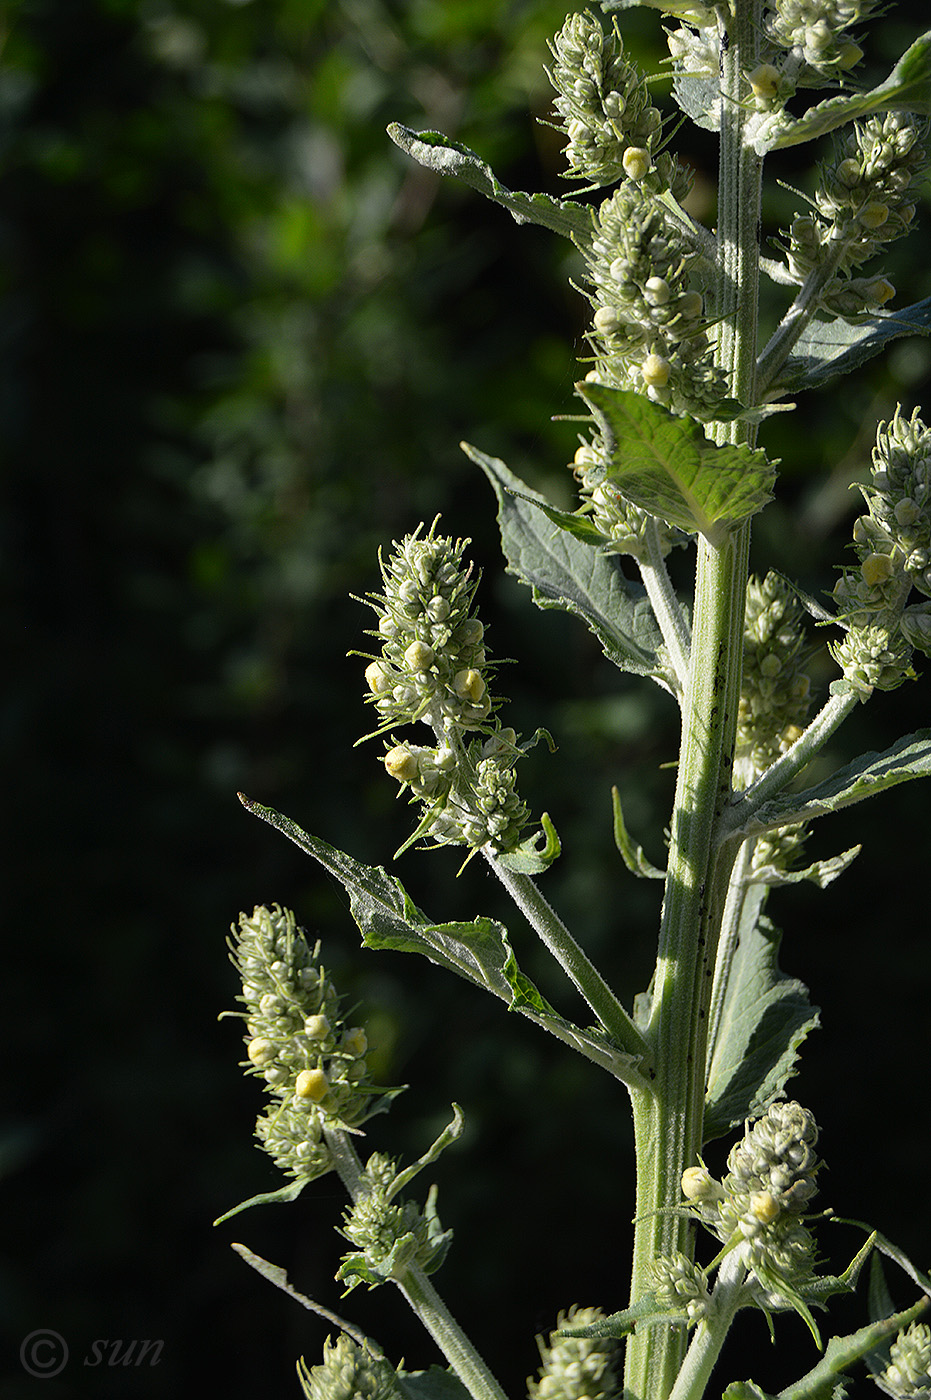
pixel 775 689
pixel 349 1372
pixel 908 1375
pixel 649 333
pixel 624 525
pixel 312 1064
pixel 893 543
pixel 759 1207
pixel 391 1235
pixel 613 129
pixel 815 38
pixel 680 1284
pixel 865 199
pixel 576 1368
pixel 433 668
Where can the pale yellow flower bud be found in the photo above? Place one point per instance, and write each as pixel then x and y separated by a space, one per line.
pixel 764 1207
pixel 419 656
pixel 311 1084
pixel 875 569
pixel 377 678
pixel 874 214
pixel 316 1028
pixel 637 163
pixel 260 1050
pixel 402 764
pixel 469 685
pixel 764 81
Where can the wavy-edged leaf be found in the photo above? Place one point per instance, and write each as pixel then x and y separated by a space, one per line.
pixel 764 1019
pixel 478 950
pixel 565 573
pixel 667 466
pixel 438 153
pixel 829 348
pixel 871 773
pixel 907 89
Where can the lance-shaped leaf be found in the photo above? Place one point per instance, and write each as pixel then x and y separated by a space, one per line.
pixel 478 950
pixel 565 573
pixel 871 773
pixel 668 467
pixel 843 1352
pixel 829 348
pixel 646 1312
pixel 763 1021
pixel 907 89
pixel 438 153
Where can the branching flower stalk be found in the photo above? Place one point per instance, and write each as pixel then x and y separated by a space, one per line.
pixel 675 389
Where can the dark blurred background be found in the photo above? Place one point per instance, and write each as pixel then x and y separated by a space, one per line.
pixel 242 338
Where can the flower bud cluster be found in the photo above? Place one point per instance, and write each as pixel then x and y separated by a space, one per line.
pixel 612 128
pixel 649 332
pixel 816 34
pixel 576 1368
pixel 432 665
pixel 908 1375
pixel 312 1064
pixel 623 524
pixel 390 1236
pixel 775 690
pixel 433 668
pixel 472 800
pixel 679 1283
pixel 348 1372
pixel 762 1199
pixel 893 544
pixel 865 199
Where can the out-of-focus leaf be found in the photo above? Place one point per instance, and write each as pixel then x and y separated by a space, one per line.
pixel 829 348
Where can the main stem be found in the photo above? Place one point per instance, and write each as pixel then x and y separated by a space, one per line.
pixel 668 1122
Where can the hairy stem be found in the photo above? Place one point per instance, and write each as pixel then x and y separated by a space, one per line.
pixel 417 1288
pixel 547 924
pixel 666 606
pixel 668 1127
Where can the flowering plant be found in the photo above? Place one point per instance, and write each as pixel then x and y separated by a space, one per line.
pixel 674 391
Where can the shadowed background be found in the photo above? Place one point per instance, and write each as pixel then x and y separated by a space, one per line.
pixel 242 338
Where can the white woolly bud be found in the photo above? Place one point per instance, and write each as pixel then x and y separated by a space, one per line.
pixel 377 678
pixel 655 371
pixel 419 656
pixel 316 1028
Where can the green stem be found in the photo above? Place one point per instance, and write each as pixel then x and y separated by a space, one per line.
pixel 547 924
pixel 666 606
pixel 787 334
pixel 711 1331
pixel 417 1289
pixel 746 805
pixel 668 1125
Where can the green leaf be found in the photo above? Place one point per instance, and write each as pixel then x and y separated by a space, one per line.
pixel 435 1384
pixel 438 153
pixel 820 872
pixel 564 573
pixel 478 950
pixel 268 1198
pixel 842 1352
pixel 829 348
pixel 764 1020
pixel 451 1133
pixel 745 1390
pixel 871 773
pixel 667 466
pixel 631 853
pixel 907 89
pixel 530 858
pixel 644 1313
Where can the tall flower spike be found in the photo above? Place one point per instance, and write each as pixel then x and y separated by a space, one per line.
pixel 348 1372
pixel 576 1368
pixel 390 1235
pixel 649 333
pixel 312 1064
pixel 865 199
pixel 775 689
pixel 761 1203
pixel 893 544
pixel 613 130
pixel 432 665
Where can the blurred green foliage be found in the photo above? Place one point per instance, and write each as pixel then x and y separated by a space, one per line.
pixel 242 338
